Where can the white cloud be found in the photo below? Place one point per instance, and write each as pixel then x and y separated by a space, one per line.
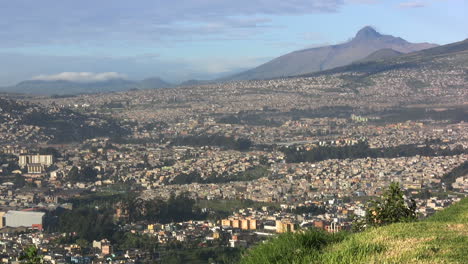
pixel 415 4
pixel 81 76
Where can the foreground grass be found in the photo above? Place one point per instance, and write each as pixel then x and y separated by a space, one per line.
pixel 442 238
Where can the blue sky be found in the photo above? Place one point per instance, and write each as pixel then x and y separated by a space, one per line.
pixel 186 39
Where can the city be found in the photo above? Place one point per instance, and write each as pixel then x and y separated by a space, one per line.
pixel 286 132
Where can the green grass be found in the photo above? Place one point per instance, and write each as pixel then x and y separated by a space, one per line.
pixel 442 238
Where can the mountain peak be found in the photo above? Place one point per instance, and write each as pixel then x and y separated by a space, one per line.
pixel 367 32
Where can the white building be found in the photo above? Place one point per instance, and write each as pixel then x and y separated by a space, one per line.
pixel 24 219
pixel 45 160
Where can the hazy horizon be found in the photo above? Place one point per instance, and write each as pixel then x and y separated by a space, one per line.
pixel 184 40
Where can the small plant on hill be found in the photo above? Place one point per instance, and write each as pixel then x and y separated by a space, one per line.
pixel 31 256
pixel 390 208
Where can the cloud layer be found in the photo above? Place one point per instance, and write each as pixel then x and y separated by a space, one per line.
pixel 412 4
pixel 87 21
pixel 85 77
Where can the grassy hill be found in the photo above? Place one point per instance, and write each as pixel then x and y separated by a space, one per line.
pixel 442 238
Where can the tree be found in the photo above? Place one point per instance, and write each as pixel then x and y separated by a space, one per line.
pixel 73 174
pixel 88 174
pixel 19 181
pixel 31 256
pixel 390 208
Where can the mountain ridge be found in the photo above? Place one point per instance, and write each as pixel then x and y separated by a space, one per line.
pixel 404 60
pixel 366 41
pixel 65 87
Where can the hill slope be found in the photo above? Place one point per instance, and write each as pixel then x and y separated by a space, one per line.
pixel 52 125
pixel 382 54
pixel 62 87
pixel 451 55
pixel 442 238
pixel 366 41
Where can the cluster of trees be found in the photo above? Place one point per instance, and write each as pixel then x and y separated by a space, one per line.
pixel 362 150
pixel 69 126
pixel 405 114
pixel 11 160
pixel 128 241
pixel 253 119
pixel 308 209
pixel 50 151
pixel 217 254
pixel 86 174
pixel 241 144
pixel 451 176
pixel 176 209
pixel 324 111
pixel 248 175
pixel 88 223
pixel 93 220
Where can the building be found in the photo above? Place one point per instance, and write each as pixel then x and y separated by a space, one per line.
pixel 243 223
pixel 2 219
pixel 24 219
pixel 44 160
pixel 285 226
pixel 103 245
pixel 35 168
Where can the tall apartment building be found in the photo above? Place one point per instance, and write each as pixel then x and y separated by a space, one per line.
pixel 44 160
pixel 242 223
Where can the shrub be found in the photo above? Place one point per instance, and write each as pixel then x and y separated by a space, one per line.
pixel 390 208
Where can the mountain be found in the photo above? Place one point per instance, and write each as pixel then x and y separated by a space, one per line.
pixel 441 238
pixel 153 83
pixel 450 55
pixel 382 54
pixel 366 42
pixel 60 87
pixel 40 87
pixel 194 82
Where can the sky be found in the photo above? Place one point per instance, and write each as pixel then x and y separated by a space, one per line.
pixel 178 40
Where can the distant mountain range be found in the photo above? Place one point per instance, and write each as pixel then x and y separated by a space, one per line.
pixel 366 42
pixel 59 87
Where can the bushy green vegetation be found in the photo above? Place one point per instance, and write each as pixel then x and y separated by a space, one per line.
pixel 224 208
pixel 92 217
pixel 88 223
pixel 251 118
pixel 70 126
pixel 176 209
pixel 31 256
pixel 362 150
pixel 241 144
pixel 451 176
pixel 442 238
pixel 86 174
pixel 287 248
pixel 390 208
pixel 218 255
pixel 248 175
pixel 405 114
